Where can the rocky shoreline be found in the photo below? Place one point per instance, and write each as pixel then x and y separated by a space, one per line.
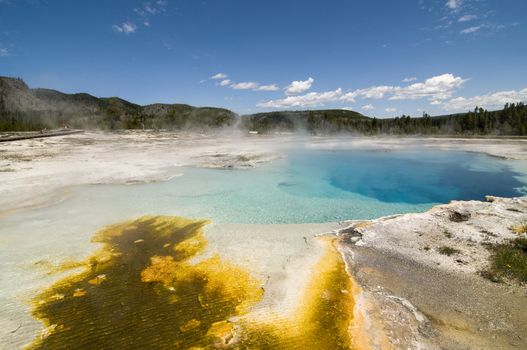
pixel 415 296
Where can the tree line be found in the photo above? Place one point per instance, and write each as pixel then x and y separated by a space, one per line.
pixel 510 121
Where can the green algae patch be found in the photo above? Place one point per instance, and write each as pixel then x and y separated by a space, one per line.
pixel 141 291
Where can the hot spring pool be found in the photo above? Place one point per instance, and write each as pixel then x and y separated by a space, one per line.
pixel 306 186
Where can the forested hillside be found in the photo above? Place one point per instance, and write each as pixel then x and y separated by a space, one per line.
pixel 25 109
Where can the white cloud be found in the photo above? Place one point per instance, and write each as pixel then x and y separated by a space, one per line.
pixel 246 85
pixel 467 18
pixel 126 28
pixel 390 110
pixel 349 97
pixel 299 86
pixel 409 79
pixel 439 87
pixel 4 52
pixel 471 30
pixel 308 100
pixel 374 92
pixel 454 4
pixel 491 100
pixel 219 76
pixel 271 87
pixel 368 107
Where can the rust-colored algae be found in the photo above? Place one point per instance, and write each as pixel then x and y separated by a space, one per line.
pixel 328 308
pixel 145 289
pixel 145 295
pixel 323 317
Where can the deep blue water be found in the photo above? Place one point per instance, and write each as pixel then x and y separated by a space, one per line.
pixel 406 177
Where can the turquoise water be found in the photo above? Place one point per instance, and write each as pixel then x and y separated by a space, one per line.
pixel 306 186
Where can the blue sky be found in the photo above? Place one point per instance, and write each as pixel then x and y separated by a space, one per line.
pixel 381 58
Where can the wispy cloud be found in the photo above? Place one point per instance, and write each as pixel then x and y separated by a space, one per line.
pixel 149 9
pixel 409 79
pixel 4 52
pixel 143 15
pixel 270 87
pixel 245 85
pixel 299 86
pixel 390 110
pixel 486 28
pixel 126 28
pixel 219 76
pixel 454 4
pixel 490 100
pixel 252 85
pixel 471 30
pixel 368 107
pixel 455 14
pixel 467 18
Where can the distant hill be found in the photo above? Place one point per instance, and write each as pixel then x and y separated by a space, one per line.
pixel 23 108
pixel 318 121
